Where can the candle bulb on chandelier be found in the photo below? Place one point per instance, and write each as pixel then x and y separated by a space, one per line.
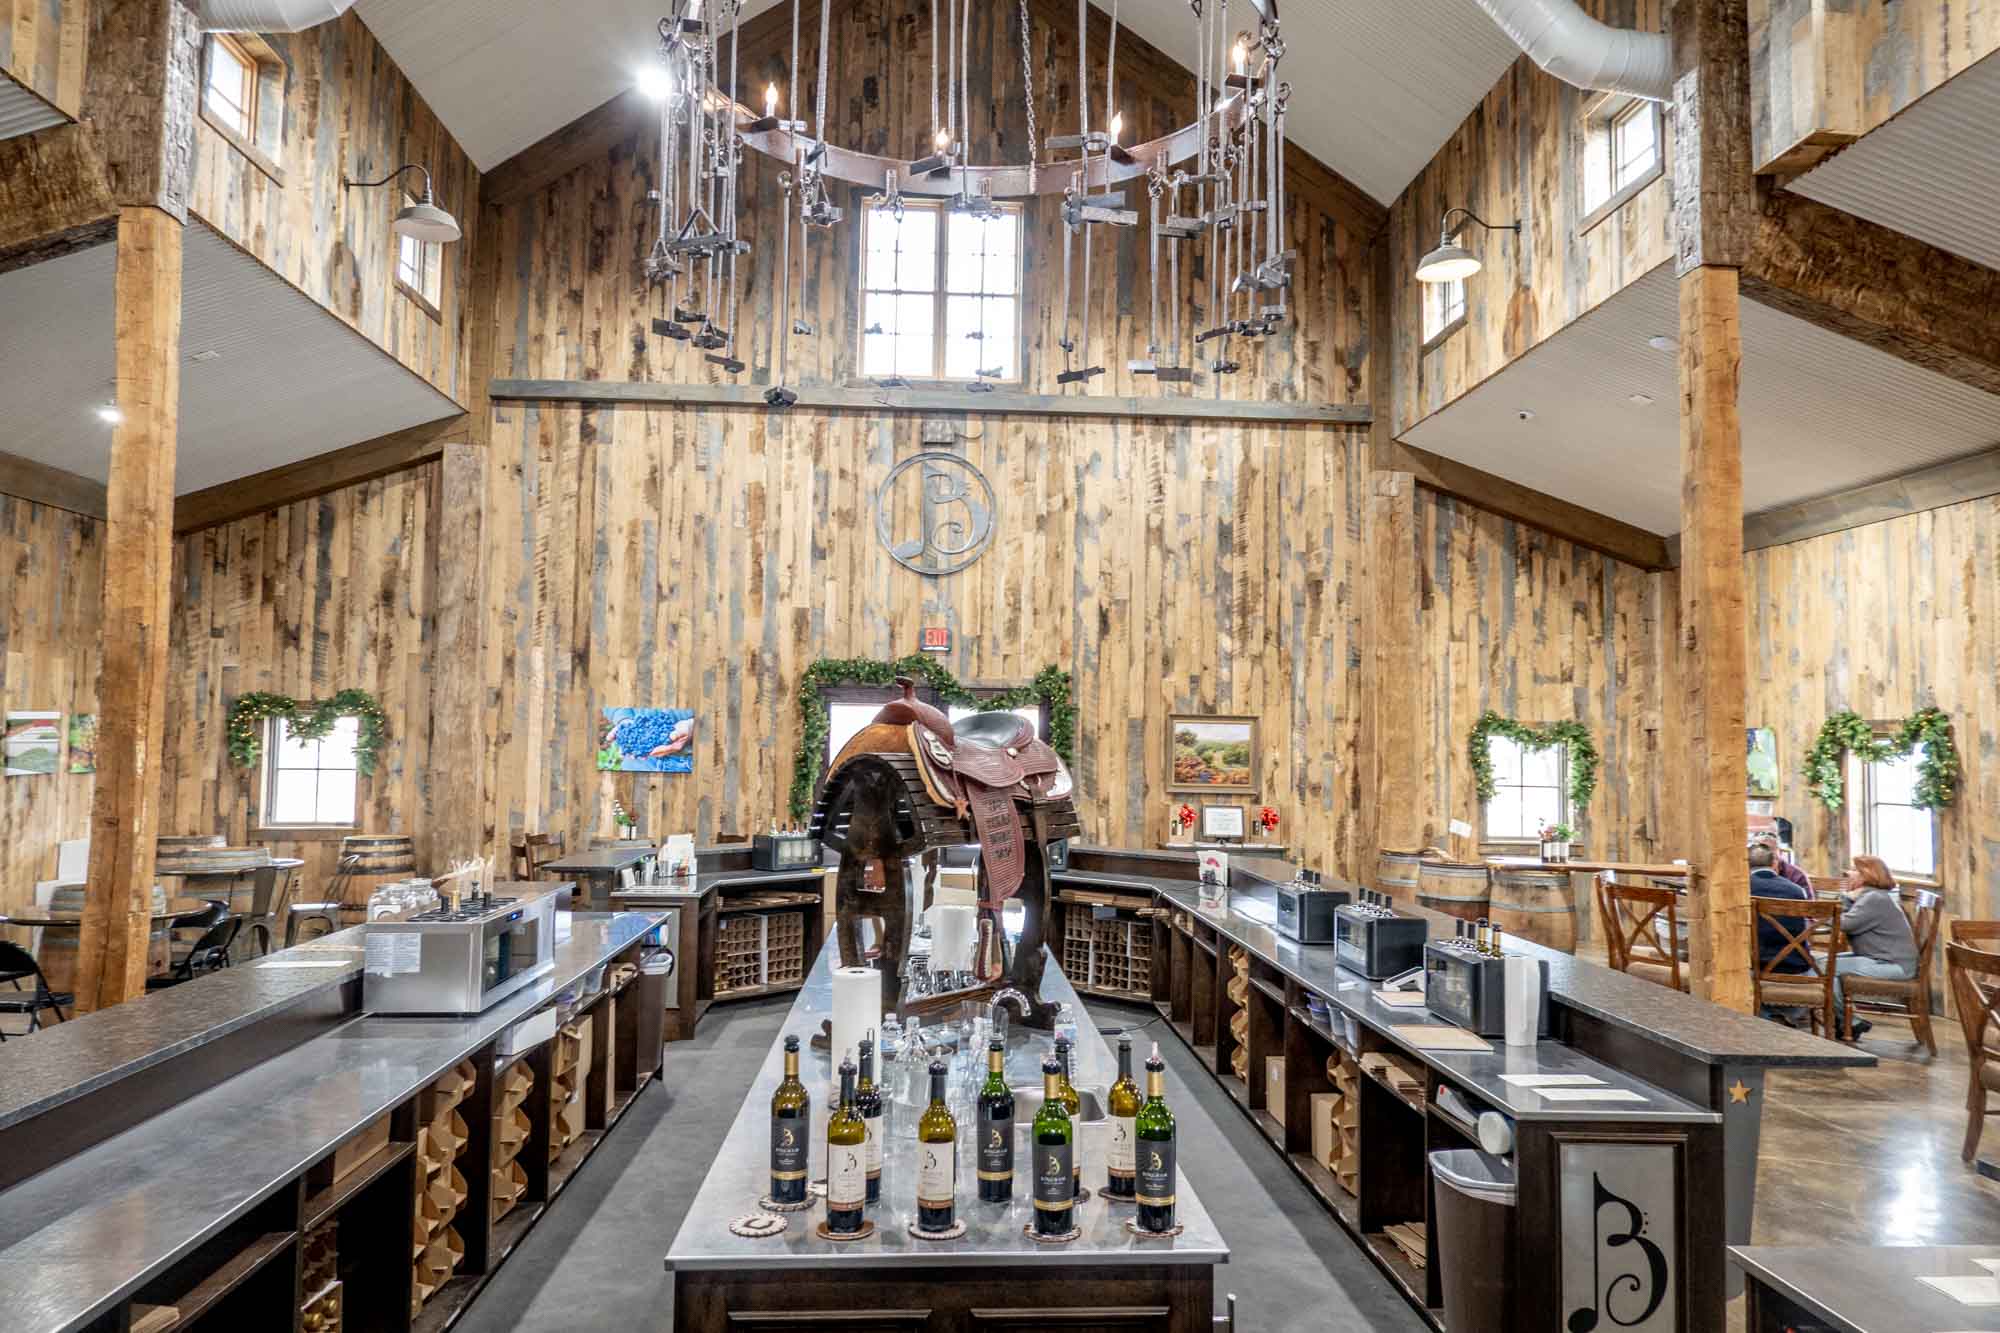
pixel 770 99
pixel 1242 54
pixel 942 140
pixel 1117 125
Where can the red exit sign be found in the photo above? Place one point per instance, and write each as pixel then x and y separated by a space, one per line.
pixel 936 639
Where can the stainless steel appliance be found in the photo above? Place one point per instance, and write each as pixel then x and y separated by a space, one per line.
pixel 1371 939
pixel 446 962
pixel 1469 988
pixel 1305 908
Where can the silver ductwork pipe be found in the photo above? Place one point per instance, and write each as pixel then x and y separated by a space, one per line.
pixel 1579 50
pixel 269 15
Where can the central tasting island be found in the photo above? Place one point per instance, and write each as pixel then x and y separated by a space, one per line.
pixel 994 1279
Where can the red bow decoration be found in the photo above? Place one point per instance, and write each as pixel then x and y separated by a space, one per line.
pixel 1267 818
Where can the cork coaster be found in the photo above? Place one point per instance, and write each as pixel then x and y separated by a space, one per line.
pixel 771 1205
pixel 1132 1225
pixel 1109 1197
pixel 1083 1193
pixel 1028 1230
pixel 952 1232
pixel 816 1189
pixel 758 1226
pixel 867 1230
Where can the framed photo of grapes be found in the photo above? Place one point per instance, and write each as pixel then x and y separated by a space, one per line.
pixel 1211 754
pixel 646 740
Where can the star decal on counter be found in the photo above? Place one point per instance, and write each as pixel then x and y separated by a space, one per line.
pixel 1739 1093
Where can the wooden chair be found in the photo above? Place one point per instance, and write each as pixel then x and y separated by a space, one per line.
pixel 1825 884
pixel 532 851
pixel 1911 998
pixel 1977 934
pixel 1975 990
pixel 1631 915
pixel 1814 942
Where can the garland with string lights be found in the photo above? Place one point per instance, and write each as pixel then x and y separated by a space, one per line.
pixel 1583 757
pixel 1050 688
pixel 308 721
pixel 1845 732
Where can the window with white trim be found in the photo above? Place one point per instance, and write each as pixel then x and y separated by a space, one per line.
pixel 1444 308
pixel 420 264
pixel 1883 819
pixel 1622 148
pixel 1530 790
pixel 230 93
pixel 310 783
pixel 941 293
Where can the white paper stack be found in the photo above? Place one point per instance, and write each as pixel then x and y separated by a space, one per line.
pixel 1524 1000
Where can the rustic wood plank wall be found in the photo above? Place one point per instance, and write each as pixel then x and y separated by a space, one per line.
pixel 54 562
pixel 1538 629
pixel 42 48
pixel 348 110
pixel 1824 74
pixel 316 597
pixel 1887 619
pixel 1518 155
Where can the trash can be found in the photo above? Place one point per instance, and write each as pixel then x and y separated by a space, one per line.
pixel 1474 1223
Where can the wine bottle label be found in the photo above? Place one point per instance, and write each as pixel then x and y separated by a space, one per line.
pixel 846 1175
pixel 1156 1172
pixel 1055 1176
pixel 937 1174
pixel 996 1147
pixel 873 1124
pixel 788 1148
pixel 1122 1163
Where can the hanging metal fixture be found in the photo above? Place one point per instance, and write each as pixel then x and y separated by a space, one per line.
pixel 1229 164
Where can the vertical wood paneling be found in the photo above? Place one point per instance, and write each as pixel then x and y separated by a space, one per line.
pixel 42 48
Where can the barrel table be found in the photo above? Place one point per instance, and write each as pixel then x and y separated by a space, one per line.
pixel 1396 874
pixel 1539 905
pixel 1458 888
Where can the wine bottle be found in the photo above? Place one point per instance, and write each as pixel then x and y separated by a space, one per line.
pixel 1053 1173
pixel 996 1129
pixel 937 1158
pixel 791 1128
pixel 1154 1135
pixel 1072 1105
pixel 846 1160
pixel 868 1102
pixel 1119 1171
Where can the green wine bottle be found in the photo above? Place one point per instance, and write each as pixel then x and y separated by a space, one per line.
pixel 937 1158
pixel 1154 1134
pixel 996 1129
pixel 1119 1171
pixel 1054 1172
pixel 1073 1105
pixel 791 1130
pixel 868 1101
pixel 846 1160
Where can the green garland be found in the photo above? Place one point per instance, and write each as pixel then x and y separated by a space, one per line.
pixel 308 721
pixel 1844 732
pixel 1583 758
pixel 1050 686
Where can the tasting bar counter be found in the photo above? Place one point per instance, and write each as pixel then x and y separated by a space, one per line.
pixel 993 1278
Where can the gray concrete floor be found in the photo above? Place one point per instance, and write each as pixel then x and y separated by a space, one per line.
pixel 595 1261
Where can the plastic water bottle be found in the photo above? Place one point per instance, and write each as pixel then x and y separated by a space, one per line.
pixel 890 1039
pixel 1066 1025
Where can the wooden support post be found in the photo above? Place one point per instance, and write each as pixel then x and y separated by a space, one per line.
pixel 138 560
pixel 1714 219
pixel 1398 762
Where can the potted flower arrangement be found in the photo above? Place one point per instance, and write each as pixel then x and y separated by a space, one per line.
pixel 1556 839
pixel 1180 822
pixel 1267 823
pixel 627 822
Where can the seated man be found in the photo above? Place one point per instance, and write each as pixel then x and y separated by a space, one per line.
pixel 1787 866
pixel 1766 882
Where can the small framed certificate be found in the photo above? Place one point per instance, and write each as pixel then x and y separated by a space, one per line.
pixel 1222 821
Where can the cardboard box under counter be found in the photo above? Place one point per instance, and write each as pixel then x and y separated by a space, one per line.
pixel 1325 1133
pixel 1274 1087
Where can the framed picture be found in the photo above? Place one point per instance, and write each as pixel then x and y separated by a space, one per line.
pixel 33 743
pixel 1761 756
pixel 646 740
pixel 1211 754
pixel 1222 821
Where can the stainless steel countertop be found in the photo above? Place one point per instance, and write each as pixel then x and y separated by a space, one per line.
pixel 741 1174
pixel 1873 1288
pixel 694 888
pixel 83 1235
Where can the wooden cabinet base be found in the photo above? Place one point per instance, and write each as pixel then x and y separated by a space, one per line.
pixel 1164 1298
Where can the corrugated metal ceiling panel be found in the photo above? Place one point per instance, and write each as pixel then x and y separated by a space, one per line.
pixel 21 112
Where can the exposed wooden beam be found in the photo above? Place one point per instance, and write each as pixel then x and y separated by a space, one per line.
pixel 931 401
pixel 1715 206
pixel 319 475
pixel 1399 764
pixel 1571 522
pixel 1877 286
pixel 25 479
pixel 138 562
pixel 1971 478
pixel 55 195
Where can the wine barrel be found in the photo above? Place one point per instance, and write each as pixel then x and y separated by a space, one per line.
pixel 1538 905
pixel 213 859
pixel 1396 874
pixel 380 859
pixel 57 950
pixel 1457 888
pixel 178 843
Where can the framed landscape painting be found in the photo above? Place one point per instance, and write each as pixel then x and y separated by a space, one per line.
pixel 1211 754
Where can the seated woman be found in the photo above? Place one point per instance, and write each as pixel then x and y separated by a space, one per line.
pixel 1876 929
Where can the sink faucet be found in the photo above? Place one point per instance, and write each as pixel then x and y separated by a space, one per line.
pixel 1019 1001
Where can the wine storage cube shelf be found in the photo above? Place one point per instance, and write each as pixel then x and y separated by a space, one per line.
pixel 1114 955
pixel 758 950
pixel 436 1249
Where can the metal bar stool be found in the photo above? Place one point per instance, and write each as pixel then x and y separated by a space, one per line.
pixel 328 912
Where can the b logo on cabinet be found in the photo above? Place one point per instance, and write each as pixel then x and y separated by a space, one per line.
pixel 941 521
pixel 1620 1265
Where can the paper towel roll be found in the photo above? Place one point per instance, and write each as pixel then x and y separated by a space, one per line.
pixel 1524 1000
pixel 857 1009
pixel 951 937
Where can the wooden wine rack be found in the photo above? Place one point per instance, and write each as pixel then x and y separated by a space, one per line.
pixel 437 1251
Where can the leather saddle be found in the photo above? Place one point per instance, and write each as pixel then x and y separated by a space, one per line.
pixel 984 768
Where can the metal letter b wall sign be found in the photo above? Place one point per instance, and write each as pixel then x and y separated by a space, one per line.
pixel 938 521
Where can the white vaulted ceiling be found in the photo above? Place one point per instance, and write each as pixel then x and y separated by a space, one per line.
pixel 1821 413
pixel 1377 85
